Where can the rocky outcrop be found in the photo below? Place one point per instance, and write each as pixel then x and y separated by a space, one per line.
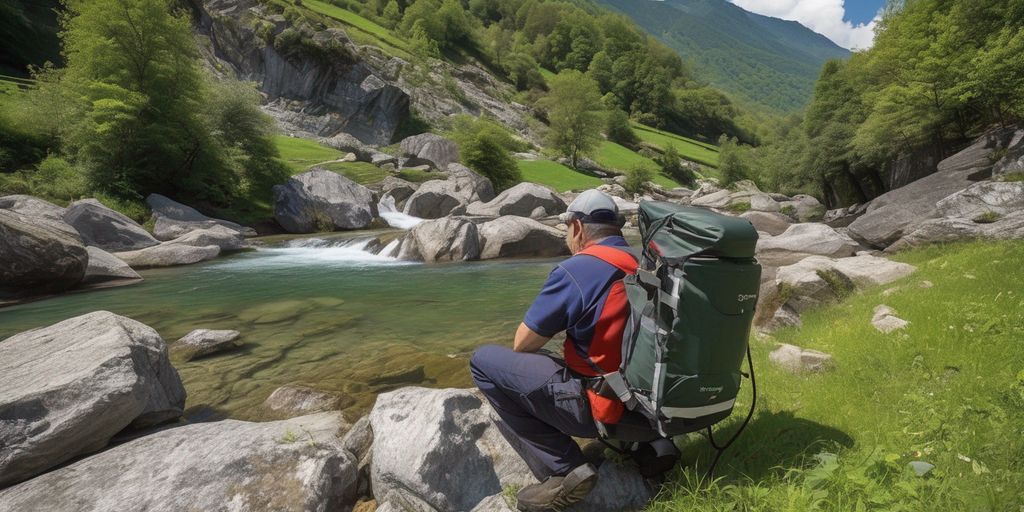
pixel 104 266
pixel 523 200
pixel 995 198
pixel 68 388
pixel 439 240
pixel 437 198
pixel 510 236
pixel 467 179
pixel 37 258
pixel 948 230
pixel 321 200
pixel 802 240
pixel 168 255
pixel 293 465
pixel 430 148
pixel 203 342
pixel 107 229
pixel 174 219
pixel 901 211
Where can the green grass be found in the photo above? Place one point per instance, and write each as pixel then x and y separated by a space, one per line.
pixel 619 158
pixel 417 176
pixel 365 31
pixel 556 175
pixel 360 172
pixel 298 153
pixel 700 152
pixel 949 390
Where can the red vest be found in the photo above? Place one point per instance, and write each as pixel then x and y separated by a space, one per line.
pixel 605 352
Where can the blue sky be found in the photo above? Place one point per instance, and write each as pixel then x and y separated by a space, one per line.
pixel 848 23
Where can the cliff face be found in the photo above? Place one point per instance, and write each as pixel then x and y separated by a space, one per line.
pixel 319 83
pixel 313 81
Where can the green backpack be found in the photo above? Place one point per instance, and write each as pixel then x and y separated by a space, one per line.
pixel 692 303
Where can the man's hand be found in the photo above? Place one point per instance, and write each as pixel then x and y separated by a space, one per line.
pixel 527 340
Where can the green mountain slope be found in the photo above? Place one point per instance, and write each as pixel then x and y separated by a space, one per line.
pixel 766 61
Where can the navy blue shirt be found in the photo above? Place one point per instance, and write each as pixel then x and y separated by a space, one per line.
pixel 573 296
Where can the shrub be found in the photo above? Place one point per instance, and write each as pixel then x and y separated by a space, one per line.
pixel 55 178
pixel 1013 176
pixel 619 130
pixel 636 177
pixel 672 166
pixel 14 183
pixel 738 207
pixel 487 155
pixel 987 217
pixel 730 161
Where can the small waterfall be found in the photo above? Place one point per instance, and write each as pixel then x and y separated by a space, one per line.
pixel 326 252
pixel 387 211
pixel 391 249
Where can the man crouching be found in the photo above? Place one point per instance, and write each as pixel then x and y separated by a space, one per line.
pixel 542 401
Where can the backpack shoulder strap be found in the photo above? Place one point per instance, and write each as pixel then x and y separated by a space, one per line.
pixel 618 258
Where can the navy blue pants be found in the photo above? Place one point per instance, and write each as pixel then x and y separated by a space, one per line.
pixel 540 404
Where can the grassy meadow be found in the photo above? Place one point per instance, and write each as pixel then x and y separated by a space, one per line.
pixel 948 391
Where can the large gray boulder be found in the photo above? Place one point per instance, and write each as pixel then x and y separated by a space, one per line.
pixel 899 212
pixel 803 208
pixel 435 199
pixel 510 236
pixel 523 200
pixel 439 240
pixel 432 148
pixel 439 446
pixel 107 229
pixel 104 266
pixel 480 187
pixel 39 212
pixel 322 200
pixel 953 229
pixel 802 240
pixel 987 197
pixel 168 254
pixel 399 189
pixel 66 389
pixel 291 465
pixel 174 219
pixel 37 258
pixel 1013 161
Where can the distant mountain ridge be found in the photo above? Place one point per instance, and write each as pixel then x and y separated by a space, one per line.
pixel 762 60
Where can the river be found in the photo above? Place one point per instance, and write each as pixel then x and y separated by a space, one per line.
pixel 317 312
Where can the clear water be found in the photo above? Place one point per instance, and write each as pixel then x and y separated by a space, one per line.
pixel 315 313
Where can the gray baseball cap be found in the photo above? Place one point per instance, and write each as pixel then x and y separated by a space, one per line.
pixel 592 207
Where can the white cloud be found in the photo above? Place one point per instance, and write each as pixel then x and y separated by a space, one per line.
pixel 822 16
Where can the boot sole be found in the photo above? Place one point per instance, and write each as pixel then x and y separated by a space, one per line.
pixel 575 487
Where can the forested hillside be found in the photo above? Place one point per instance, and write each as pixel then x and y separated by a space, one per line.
pixel 765 61
pixel 941 73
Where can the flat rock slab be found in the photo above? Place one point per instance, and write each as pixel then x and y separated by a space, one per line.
pixel 802 240
pixel 105 228
pixel 66 389
pixel 174 219
pixel 799 360
pixel 294 400
pixel 292 465
pixel 203 342
pixel 885 320
pixel 104 266
pixel 168 254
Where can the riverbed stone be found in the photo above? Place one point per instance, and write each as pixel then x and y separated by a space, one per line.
pixel 409 375
pixel 168 254
pixel 773 223
pixel 511 236
pixel 297 400
pixel 322 200
pixel 174 219
pixel 440 447
pixel 432 148
pixel 440 240
pixel 107 229
pixel 203 342
pixel 522 200
pixel 225 238
pixel 37 258
pixel 104 266
pixel 290 465
pixel 435 199
pixel 799 360
pixel 479 186
pixel 802 240
pixel 66 389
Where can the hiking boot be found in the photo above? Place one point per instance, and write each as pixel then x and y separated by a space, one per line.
pixel 558 492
